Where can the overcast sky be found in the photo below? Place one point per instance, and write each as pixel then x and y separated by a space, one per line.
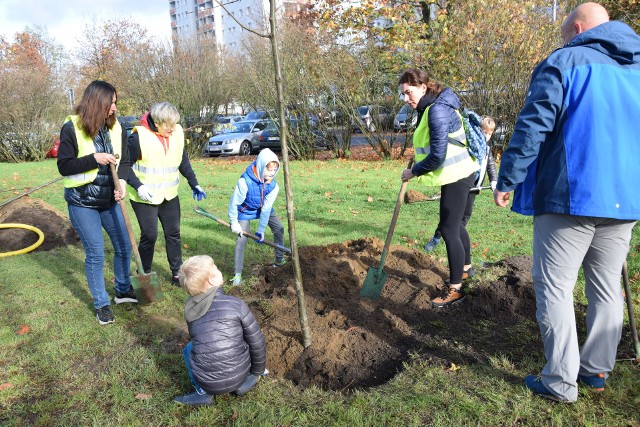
pixel 65 19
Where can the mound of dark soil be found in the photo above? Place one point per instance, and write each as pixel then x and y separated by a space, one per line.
pixel 358 342
pixel 56 227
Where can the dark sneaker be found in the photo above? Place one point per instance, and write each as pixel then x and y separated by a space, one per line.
pixel 247 385
pixel 453 296
pixel 596 382
pixel 534 383
pixel 465 275
pixel 175 280
pixel 431 245
pixel 280 263
pixel 128 296
pixel 104 315
pixel 195 399
pixel 469 273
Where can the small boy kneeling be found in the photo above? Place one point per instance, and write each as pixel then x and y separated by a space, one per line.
pixel 227 350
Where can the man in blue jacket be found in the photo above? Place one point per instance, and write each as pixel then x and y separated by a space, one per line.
pixel 572 160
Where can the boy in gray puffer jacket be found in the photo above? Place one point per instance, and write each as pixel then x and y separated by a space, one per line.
pixel 227 351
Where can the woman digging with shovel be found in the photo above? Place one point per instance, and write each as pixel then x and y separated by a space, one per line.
pixel 445 164
pixel 89 143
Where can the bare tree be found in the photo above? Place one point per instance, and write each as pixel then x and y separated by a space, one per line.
pixel 272 35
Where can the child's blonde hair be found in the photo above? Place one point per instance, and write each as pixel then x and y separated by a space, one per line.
pixel 195 273
pixel 272 163
pixel 488 124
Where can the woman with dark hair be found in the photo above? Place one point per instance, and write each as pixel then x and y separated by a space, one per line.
pixel 91 141
pixel 442 159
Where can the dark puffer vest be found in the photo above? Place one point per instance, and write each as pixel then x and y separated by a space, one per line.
pixel 256 192
pixel 99 193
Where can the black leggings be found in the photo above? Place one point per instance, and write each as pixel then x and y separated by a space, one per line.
pixel 168 212
pixel 453 204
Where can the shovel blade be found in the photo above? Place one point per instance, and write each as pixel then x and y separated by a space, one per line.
pixel 373 283
pixel 146 288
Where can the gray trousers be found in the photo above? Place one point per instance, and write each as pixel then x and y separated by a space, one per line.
pixel 278 238
pixel 561 244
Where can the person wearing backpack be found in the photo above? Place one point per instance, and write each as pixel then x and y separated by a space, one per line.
pixel 442 159
pixel 487 167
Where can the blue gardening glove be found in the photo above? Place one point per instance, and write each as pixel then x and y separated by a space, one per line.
pixel 198 193
pixel 261 238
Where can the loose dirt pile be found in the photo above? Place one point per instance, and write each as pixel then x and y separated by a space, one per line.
pixel 359 343
pixel 56 226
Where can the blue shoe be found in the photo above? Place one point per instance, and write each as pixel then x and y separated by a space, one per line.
pixel 248 384
pixel 596 382
pixel 432 244
pixel 534 383
pixel 195 399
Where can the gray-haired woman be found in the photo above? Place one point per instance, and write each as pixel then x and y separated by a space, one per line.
pixel 156 150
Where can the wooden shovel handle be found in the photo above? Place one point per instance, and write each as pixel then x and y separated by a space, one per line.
pixel 127 221
pixel 394 218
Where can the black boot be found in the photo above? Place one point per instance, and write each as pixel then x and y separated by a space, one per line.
pixel 195 399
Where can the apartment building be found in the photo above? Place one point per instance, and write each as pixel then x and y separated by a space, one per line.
pixel 194 18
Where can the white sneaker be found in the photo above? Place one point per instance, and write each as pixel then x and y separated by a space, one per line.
pixel 236 280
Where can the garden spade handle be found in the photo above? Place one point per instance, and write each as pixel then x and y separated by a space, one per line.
pixel 201 211
pixel 394 219
pixel 127 221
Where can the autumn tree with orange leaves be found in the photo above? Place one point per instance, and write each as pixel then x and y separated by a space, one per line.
pixel 31 98
pixel 483 50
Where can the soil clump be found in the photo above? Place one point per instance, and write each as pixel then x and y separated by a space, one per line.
pixel 360 343
pixel 56 227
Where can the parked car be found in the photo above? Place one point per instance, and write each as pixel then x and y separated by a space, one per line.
pixel 53 151
pixel 260 115
pixel 406 118
pixel 223 123
pixel 128 122
pixel 373 117
pixel 241 138
pixel 322 139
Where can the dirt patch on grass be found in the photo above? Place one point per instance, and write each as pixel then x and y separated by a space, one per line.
pixel 56 227
pixel 358 342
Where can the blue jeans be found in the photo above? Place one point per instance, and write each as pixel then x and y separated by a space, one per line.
pixel 89 223
pixel 186 354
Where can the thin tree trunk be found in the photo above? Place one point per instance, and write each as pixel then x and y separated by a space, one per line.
pixel 302 311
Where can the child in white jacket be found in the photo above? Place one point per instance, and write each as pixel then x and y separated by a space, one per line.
pixel 253 198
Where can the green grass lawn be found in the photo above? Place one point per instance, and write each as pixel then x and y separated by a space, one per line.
pixel 68 370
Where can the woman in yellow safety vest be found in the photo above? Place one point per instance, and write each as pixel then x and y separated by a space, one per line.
pixel 156 150
pixel 90 141
pixel 442 159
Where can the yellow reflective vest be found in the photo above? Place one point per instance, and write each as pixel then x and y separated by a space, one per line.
pixel 86 147
pixel 158 170
pixel 457 164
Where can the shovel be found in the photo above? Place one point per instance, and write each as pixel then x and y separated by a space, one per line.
pixel 201 211
pixel 632 320
pixel 376 277
pixel 145 285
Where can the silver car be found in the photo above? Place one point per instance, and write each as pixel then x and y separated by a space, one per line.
pixel 405 119
pixel 241 138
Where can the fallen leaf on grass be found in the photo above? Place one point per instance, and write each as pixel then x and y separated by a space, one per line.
pixel 185 245
pixel 5 386
pixel 453 367
pixel 24 329
pixel 143 396
pixel 369 199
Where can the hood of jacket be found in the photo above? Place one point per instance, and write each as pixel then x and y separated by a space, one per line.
pixel 615 39
pixel 195 307
pixel 265 157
